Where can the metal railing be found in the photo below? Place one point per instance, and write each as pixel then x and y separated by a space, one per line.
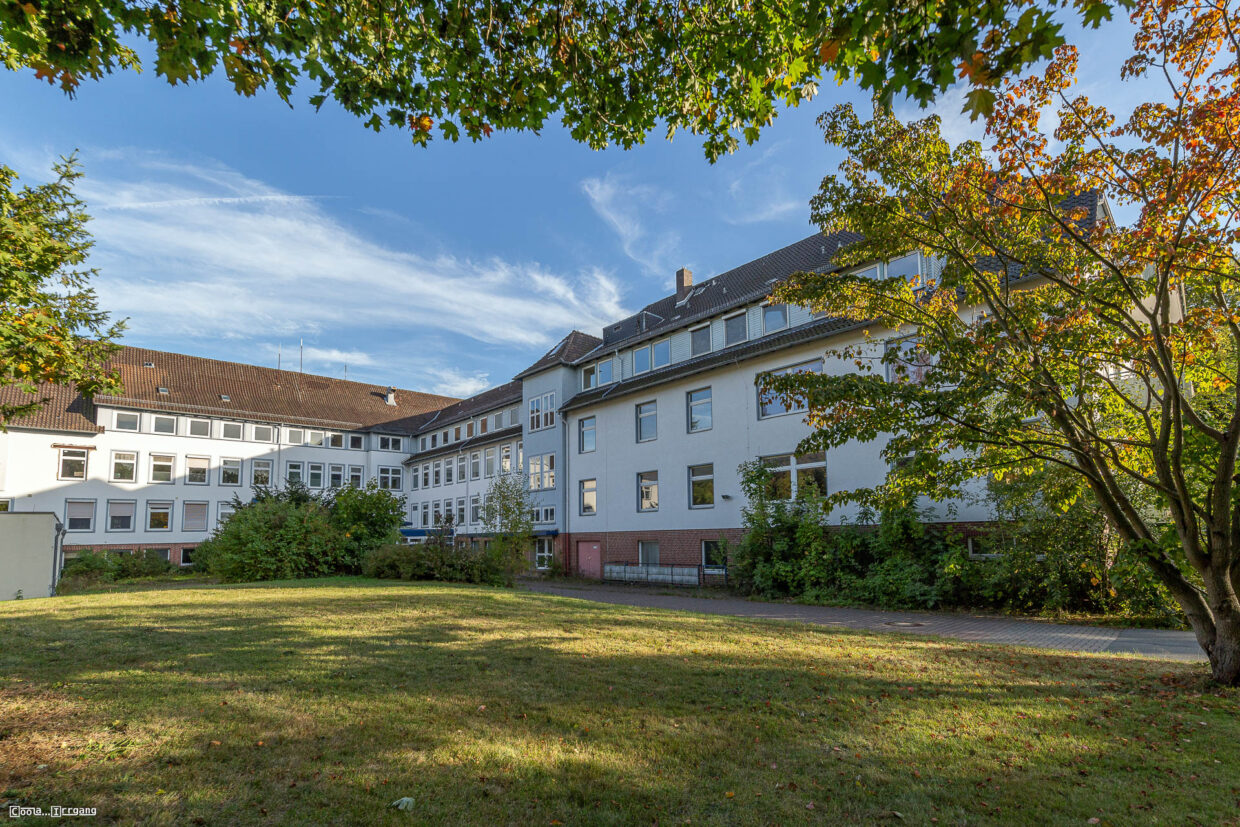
pixel 669 575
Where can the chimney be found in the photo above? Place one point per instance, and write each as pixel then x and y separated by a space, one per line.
pixel 391 397
pixel 684 282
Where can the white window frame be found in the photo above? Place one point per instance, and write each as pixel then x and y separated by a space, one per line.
pixel 224 466
pixel 190 461
pixel 582 429
pixel 357 476
pixel 653 414
pixel 693 351
pixel 817 361
pixel 356 443
pixel 133 461
pixel 744 317
pixel 289 465
pixel 265 464
pixel 171 461
pixel 644 547
pixel 224 426
pixel 157 418
pixel 690 404
pixel 544 553
pixel 582 490
pixel 255 433
pixel 313 468
pixel 766 308
pixel 295 436
pixel 67 453
pixel 390 477
pixel 191 423
pixel 116 421
pixel 335 475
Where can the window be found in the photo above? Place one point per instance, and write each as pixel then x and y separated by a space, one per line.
pixel 199 427
pixel 505 459
pixel 126 421
pixel 542 514
pixel 415 476
pixel 263 433
pixel 771 405
pixel 542 411
pixel 294 436
pixel 390 443
pixel 437 474
pixel 490 462
pixel 196 469
pixel 426 475
pixel 226 511
pixel 586 434
pixel 469 429
pixel 315 438
pixel 544 553
pixel 121 514
pixel 699 340
pixel 161 467
pixel 355 442
pixel 456 434
pixel 314 475
pixel 6 506
pixel 72 464
pixel 231 430
pixel 164 424
pixel 447 471
pixel 794 476
pixel 475 508
pixel 647 424
pixel 79 515
pixel 542 471
pixel 426 515
pixel 187 554
pixel 713 554
pixel 482 425
pixel 389 477
pixel 702 485
pixel 356 476
pixel 597 374
pixel 907 361
pixel 648 491
pixel 588 494
pixel 335 476
pixel 460 511
pixel 293 471
pixel 460 468
pixel 699 404
pixel 194 516
pixel 641 360
pixel 774 317
pixel 335 440
pixel 124 466
pixel 230 472
pixel 158 516
pixel 436 513
pixel 735 329
pixel 907 267
pixel 647 553
pixel 260 472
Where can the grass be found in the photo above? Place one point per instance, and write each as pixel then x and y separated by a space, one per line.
pixel 324 702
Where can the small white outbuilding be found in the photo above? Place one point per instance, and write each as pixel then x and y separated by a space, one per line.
pixel 30 554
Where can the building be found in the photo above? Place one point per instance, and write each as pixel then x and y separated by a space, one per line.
pixel 630 442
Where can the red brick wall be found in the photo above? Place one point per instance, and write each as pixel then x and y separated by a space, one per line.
pixel 677 547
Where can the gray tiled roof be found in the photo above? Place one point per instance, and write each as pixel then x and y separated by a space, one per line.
pixel 737 287
pixel 497 397
pixel 478 441
pixel 817 329
pixel 569 349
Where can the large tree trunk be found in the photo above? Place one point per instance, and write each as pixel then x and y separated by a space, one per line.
pixel 1224 649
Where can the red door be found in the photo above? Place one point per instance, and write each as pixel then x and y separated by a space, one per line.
pixel 589 560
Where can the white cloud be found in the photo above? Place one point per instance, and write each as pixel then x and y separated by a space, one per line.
pixel 621 204
pixel 760 191
pixel 955 125
pixel 453 382
pixel 203 252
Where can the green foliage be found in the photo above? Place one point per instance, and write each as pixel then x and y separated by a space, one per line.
pixel 506 518
pixel 441 558
pixel 611 72
pixel 91 568
pixel 368 517
pixel 51 329
pixel 145 563
pixel 90 565
pixel 1034 561
pixel 295 532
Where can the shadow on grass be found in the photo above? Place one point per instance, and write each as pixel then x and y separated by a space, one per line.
pixel 325 703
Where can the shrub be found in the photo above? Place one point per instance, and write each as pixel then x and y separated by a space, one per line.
pixel 368 517
pixel 140 564
pixel 90 565
pixel 275 539
pixel 439 558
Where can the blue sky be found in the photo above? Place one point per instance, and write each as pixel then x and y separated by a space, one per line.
pixel 231 227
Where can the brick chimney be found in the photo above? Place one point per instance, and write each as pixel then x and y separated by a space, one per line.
pixel 684 282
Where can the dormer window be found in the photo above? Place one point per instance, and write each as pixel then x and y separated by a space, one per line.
pixel 699 340
pixel 908 268
pixel 651 356
pixel 774 317
pixel 735 329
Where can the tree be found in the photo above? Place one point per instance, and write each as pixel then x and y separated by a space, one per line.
pixel 51 329
pixel 613 70
pixel 1048 333
pixel 506 516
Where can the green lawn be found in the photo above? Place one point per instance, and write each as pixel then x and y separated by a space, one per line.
pixel 325 702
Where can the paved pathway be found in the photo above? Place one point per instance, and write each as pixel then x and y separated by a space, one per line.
pixel 1156 643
